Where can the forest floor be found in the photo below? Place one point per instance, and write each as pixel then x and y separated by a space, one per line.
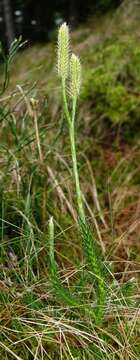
pixel 37 322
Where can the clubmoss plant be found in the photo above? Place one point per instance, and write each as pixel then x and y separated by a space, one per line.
pixel 70 67
pixel 69 72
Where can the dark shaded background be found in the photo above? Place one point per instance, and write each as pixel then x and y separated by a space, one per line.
pixel 35 20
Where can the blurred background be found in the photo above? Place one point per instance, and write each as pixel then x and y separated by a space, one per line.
pixel 36 20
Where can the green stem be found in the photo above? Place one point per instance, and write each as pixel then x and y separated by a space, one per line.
pixel 75 171
pixel 71 125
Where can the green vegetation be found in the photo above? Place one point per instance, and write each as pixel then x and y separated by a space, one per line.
pixel 69 252
pixel 113 84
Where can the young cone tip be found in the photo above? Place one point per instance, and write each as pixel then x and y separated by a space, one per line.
pixel 63 51
pixel 75 75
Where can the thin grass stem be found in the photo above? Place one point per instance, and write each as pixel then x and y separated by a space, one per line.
pixel 38 137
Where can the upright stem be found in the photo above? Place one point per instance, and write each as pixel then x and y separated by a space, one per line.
pixel 71 125
pixel 76 175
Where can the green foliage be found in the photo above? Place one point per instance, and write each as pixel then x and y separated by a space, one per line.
pixel 112 85
pixel 95 265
